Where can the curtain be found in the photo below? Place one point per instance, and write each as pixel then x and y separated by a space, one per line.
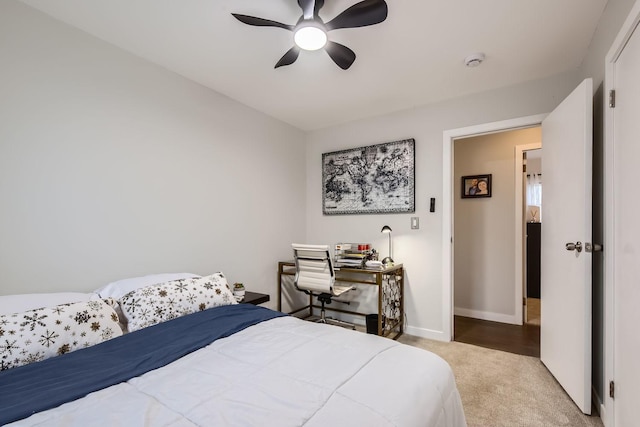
pixel 534 197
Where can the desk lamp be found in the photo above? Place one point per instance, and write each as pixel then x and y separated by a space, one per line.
pixel 388 260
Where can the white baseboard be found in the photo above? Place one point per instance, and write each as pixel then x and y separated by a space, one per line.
pixel 597 403
pixel 487 315
pixel 426 333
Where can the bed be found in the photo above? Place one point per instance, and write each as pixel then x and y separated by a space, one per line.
pixel 230 365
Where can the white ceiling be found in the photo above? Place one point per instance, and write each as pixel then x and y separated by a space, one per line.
pixel 415 57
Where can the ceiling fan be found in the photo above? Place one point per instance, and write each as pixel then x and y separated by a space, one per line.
pixel 310 32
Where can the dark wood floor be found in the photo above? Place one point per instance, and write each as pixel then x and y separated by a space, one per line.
pixel 523 339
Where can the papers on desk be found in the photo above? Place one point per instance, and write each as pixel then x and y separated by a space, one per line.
pixel 358 263
pixel 349 262
pixel 374 264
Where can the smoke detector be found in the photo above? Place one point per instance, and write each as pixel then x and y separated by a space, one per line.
pixel 474 59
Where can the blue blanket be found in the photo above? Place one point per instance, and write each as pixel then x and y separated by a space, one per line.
pixel 43 385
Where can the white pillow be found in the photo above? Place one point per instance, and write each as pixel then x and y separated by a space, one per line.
pixel 122 287
pixel 10 304
pixel 42 333
pixel 165 301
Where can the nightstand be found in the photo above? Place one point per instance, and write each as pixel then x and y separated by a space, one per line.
pixel 254 298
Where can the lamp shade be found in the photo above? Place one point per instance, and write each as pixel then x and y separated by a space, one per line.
pixel 386 229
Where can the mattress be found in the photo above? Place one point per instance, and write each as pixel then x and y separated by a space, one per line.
pixel 273 370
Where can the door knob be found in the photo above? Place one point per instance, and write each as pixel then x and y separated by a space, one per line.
pixel 577 246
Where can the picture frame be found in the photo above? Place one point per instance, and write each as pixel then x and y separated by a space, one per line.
pixel 374 179
pixel 476 186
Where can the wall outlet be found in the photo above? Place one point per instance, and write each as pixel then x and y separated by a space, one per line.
pixel 415 223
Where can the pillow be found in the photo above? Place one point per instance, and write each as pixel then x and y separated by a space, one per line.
pixel 122 287
pixel 158 303
pixel 42 333
pixel 10 304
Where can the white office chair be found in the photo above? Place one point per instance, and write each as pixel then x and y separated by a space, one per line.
pixel 315 277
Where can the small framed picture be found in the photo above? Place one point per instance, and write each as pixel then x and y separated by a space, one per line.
pixel 476 186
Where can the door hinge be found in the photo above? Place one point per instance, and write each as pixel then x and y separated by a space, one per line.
pixel 612 389
pixel 612 99
pixel 524 301
pixel 592 247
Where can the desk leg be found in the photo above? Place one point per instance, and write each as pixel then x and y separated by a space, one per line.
pixel 280 270
pixel 379 283
pixel 401 277
pixel 393 302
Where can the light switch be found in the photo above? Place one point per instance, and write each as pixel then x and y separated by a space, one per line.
pixel 415 222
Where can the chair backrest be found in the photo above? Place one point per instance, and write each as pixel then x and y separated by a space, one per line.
pixel 314 270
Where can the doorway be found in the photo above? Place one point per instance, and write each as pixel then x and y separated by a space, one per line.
pixel 448 139
pixel 489 276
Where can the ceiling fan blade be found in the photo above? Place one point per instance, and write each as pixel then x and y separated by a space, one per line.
pixel 341 55
pixel 289 57
pixel 367 12
pixel 261 22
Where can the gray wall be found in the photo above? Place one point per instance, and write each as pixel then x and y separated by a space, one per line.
pixel 112 167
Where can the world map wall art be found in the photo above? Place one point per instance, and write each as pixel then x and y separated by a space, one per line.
pixel 368 180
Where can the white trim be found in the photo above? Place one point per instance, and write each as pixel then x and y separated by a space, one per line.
pixel 425 333
pixel 447 235
pixel 448 137
pixel 519 225
pixel 608 412
pixel 597 403
pixel 488 315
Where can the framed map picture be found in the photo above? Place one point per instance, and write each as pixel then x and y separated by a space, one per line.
pixel 375 179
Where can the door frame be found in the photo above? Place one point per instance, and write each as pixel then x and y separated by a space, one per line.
pixel 520 225
pixel 448 139
pixel 607 410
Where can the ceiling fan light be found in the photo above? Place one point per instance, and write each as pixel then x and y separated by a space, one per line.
pixel 310 37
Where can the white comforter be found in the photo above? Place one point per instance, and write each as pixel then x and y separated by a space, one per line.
pixel 282 372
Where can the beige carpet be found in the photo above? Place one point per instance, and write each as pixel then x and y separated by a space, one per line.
pixel 503 389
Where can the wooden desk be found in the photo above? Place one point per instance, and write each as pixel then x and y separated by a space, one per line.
pixel 390 284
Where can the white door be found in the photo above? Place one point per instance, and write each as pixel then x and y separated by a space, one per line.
pixel 626 233
pixel 565 329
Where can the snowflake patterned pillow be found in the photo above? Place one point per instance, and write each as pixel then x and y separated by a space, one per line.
pixel 165 301
pixel 42 333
